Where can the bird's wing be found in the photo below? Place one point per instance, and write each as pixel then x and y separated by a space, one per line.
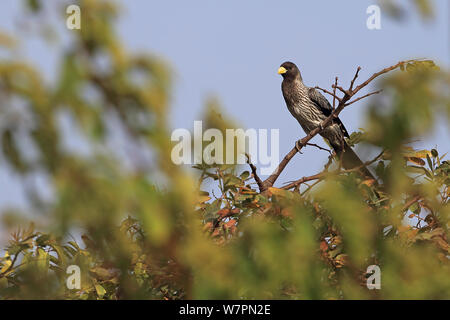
pixel 325 107
pixel 320 101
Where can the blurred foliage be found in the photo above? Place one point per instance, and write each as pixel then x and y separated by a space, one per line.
pixel 179 241
pixel 398 9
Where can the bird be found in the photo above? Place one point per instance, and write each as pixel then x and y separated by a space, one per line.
pixel 310 108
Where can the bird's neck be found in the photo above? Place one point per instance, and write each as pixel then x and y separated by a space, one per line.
pixel 294 91
pixel 296 82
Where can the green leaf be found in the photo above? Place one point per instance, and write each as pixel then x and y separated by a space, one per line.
pixel 43 259
pixel 244 175
pixel 356 137
pixel 434 153
pixel 421 170
pixel 430 163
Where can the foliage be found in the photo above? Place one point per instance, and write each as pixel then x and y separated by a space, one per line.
pixel 151 231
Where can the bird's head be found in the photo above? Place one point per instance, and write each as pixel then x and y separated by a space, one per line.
pixel 289 71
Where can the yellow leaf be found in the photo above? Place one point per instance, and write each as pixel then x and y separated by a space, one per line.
pixel 281 193
pixel 341 260
pixel 7 262
pixel 417 153
pixel 203 199
pixel 100 290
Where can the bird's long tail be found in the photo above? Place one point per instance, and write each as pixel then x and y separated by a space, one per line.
pixel 351 160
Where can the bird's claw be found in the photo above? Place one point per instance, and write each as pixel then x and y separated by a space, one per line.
pixel 297 146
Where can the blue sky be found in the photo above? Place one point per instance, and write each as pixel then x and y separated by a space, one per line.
pixel 232 49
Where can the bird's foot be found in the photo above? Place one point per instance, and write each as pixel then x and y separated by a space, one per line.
pixel 297 146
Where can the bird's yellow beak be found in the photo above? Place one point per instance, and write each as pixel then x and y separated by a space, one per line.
pixel 282 70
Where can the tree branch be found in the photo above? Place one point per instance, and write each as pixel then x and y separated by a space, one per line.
pixel 354 78
pixel 364 96
pixel 258 180
pixel 298 182
pixel 343 102
pixel 411 202
pixel 318 147
pixel 333 94
pixel 365 164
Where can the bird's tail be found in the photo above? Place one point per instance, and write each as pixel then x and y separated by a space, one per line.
pixel 350 160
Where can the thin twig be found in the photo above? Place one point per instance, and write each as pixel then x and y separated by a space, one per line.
pixel 258 180
pixel 319 147
pixel 310 187
pixel 411 202
pixel 319 176
pixel 365 96
pixel 298 182
pixel 354 78
pixel 333 94
pixel 345 92
pixel 365 164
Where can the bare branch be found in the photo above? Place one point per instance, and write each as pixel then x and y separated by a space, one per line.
pixel 319 176
pixel 365 96
pixel 258 180
pixel 377 74
pixel 354 78
pixel 411 202
pixel 345 92
pixel 319 147
pixel 298 182
pixel 333 94
pixel 365 164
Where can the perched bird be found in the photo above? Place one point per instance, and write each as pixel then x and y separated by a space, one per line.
pixel 310 108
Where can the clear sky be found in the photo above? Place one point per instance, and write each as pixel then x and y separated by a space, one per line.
pixel 232 50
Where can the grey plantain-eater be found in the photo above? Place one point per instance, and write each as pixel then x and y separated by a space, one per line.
pixel 310 108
